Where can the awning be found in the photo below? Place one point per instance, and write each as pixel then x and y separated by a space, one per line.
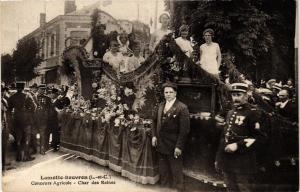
pixel 43 70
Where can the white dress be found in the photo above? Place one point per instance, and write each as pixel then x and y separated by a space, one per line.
pixel 185 45
pixel 208 60
pixel 117 61
pixel 157 36
pixel 133 63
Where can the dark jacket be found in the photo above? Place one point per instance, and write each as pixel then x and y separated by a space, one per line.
pixel 241 123
pixel 22 106
pixel 43 109
pixel 171 128
pixel 290 111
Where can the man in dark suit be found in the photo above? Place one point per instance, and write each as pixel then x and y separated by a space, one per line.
pixel 171 125
pixel 286 107
pixel 20 108
pixel 42 116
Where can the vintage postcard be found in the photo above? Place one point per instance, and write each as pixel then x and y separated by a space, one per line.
pixel 149 95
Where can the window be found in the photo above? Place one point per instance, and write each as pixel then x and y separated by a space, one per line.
pixel 52 45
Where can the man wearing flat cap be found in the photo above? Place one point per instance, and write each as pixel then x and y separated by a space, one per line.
pixel 42 116
pixel 242 136
pixel 171 125
pixel 20 108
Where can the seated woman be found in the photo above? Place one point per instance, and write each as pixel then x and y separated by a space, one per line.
pixel 136 59
pixel 124 44
pixel 114 58
pixel 210 54
pixel 182 41
pixel 164 19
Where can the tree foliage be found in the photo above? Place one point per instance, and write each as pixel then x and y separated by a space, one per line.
pixel 25 59
pixel 259 33
pixel 7 69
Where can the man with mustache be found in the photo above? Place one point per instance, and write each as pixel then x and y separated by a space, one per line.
pixel 286 107
pixel 242 136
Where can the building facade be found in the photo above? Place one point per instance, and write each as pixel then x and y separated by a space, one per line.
pixel 66 30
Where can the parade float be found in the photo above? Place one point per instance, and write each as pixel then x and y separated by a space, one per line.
pixel 109 119
pixel 114 128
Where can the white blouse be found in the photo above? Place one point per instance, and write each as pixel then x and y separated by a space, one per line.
pixel 117 61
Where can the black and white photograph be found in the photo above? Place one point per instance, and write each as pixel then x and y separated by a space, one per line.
pixel 149 95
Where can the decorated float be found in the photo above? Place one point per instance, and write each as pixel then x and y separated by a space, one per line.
pixel 109 120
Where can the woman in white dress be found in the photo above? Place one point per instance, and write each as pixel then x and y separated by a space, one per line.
pixel 210 54
pixel 164 19
pixel 182 41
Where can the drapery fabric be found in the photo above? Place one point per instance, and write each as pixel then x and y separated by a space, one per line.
pixel 120 148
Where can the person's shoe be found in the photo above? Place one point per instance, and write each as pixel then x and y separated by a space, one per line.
pixel 10 168
pixel 34 151
pixel 42 152
pixel 55 149
pixel 19 158
pixel 29 158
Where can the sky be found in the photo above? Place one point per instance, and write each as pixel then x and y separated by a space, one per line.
pixel 20 17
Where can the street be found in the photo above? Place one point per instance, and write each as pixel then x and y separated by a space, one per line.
pixel 58 171
pixel 69 173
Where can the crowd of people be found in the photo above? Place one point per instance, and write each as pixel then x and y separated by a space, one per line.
pixel 28 113
pixel 281 98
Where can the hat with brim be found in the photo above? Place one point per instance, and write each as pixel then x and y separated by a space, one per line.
pixel 271 81
pixel 239 87
pixel 170 84
pixel 265 91
pixel 20 84
pixel 33 86
pixel 277 87
pixel 42 86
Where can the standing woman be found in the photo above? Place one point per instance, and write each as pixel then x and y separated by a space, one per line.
pixel 164 19
pixel 210 54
